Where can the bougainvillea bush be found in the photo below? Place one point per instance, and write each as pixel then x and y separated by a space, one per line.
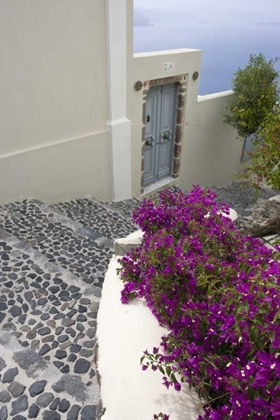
pixel 218 294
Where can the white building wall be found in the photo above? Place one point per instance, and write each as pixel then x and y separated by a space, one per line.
pixel 53 90
pixel 211 151
pixel 118 125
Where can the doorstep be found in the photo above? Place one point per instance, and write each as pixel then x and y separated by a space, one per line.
pixel 163 183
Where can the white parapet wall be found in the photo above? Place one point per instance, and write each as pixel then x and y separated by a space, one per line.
pixel 211 152
pixel 124 332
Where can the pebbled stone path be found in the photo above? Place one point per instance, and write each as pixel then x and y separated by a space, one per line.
pixel 51 274
pixel 111 224
pixel 52 266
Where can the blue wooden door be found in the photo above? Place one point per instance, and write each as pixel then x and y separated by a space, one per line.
pixel 159 133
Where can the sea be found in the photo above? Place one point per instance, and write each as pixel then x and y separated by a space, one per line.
pixel 226 46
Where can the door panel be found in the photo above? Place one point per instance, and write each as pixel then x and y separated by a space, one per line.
pixel 150 136
pixel 159 133
pixel 165 149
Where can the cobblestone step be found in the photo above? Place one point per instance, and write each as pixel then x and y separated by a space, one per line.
pixel 47 334
pixel 64 242
pixel 124 208
pixel 100 217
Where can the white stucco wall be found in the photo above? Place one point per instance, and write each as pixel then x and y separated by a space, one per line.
pixel 118 124
pixel 69 169
pixel 211 152
pixel 53 90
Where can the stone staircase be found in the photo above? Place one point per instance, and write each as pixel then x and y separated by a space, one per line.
pixel 52 266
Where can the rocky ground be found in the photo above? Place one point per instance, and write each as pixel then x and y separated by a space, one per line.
pixel 52 266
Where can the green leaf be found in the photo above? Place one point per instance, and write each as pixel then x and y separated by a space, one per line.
pixel 161 370
pixel 254 332
pixel 168 370
pixel 252 394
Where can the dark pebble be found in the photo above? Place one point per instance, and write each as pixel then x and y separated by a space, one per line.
pixel 37 388
pixel 11 302
pixel 25 307
pixel 92 314
pixel 58 364
pixel 89 344
pixel 2 364
pixel 73 289
pixel 51 415
pixel 63 293
pixel 16 389
pixel 85 301
pixel 54 289
pixel 75 348
pixel 62 338
pixel 9 375
pixel 72 357
pixel 80 327
pixel 3 306
pixel 5 396
pixel 88 412
pixel 67 322
pixel 3 413
pixel 19 405
pixel 63 405
pixel 31 334
pixel 45 399
pixel 55 403
pixel 45 349
pixel 44 331
pixel 71 313
pixel 33 411
pixel 53 311
pixel 81 318
pixel 28 296
pixel 55 345
pixel 42 301
pixel 65 369
pixel 70 331
pixel 73 412
pixel 59 330
pixel 91 332
pixel 59 316
pixel 86 353
pixel 60 354
pixel 19 299
pixel 22 319
pixel 81 366
pixel 77 296
pixel 15 311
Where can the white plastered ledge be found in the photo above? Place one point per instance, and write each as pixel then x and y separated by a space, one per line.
pixel 124 332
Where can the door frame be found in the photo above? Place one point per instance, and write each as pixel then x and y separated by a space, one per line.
pixel 181 82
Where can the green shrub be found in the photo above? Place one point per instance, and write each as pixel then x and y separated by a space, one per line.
pixel 265 158
pixel 256 94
